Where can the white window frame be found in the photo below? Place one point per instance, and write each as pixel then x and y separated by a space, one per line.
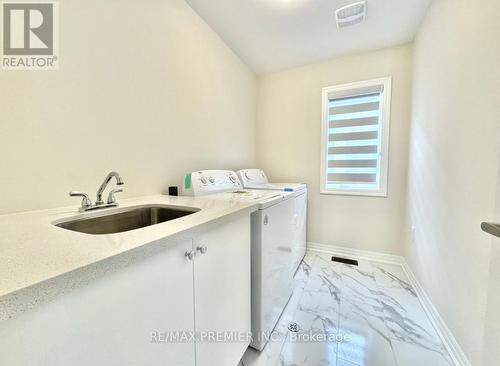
pixel 385 120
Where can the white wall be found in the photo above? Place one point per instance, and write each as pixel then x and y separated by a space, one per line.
pixel 455 140
pixel 289 140
pixel 144 87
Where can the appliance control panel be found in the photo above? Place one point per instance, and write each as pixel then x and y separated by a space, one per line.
pixel 252 177
pixel 211 181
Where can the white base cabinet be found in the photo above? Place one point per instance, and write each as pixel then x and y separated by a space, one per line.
pixel 111 321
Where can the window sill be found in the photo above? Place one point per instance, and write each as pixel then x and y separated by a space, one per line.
pixel 355 193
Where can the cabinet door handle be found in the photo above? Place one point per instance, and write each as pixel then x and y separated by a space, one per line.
pixel 191 255
pixel 202 249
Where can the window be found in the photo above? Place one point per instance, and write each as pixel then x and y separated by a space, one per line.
pixel 355 138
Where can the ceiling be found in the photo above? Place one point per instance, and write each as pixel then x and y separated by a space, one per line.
pixel 270 35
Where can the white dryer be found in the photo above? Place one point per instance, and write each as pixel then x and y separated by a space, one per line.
pixel 272 258
pixel 257 179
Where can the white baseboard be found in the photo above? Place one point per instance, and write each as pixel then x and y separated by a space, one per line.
pixel 437 321
pixel 451 344
pixel 355 253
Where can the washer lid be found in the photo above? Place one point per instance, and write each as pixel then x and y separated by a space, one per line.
pixel 264 198
pixel 285 187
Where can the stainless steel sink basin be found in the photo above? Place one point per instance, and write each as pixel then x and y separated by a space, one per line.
pixel 126 219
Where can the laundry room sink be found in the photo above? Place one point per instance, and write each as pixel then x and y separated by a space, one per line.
pixel 126 219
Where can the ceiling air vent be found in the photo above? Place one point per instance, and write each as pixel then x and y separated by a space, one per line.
pixel 351 14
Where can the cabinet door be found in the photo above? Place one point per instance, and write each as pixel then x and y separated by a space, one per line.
pixel 110 321
pixel 222 291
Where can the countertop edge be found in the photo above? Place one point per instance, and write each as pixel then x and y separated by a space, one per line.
pixel 24 298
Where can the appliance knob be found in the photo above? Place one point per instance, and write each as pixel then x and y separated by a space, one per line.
pixel 203 180
pixel 211 179
pixel 232 178
pixel 247 176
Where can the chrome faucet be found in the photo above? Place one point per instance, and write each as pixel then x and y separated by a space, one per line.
pixel 99 203
pixel 119 181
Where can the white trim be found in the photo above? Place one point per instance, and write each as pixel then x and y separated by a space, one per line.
pixel 366 193
pixel 451 344
pixel 458 356
pixel 385 122
pixel 355 253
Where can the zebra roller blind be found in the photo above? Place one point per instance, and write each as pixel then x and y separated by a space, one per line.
pixel 354 139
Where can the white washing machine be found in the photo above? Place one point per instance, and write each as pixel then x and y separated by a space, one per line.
pixel 272 231
pixel 257 179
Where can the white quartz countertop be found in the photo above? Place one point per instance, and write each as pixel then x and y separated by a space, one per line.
pixel 33 250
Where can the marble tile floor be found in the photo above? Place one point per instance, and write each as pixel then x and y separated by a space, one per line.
pixel 366 315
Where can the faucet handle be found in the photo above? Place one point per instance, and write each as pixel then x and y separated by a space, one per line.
pixel 111 195
pixel 86 202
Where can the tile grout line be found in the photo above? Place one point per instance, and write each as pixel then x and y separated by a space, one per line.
pixel 379 301
pixel 296 309
pixel 340 312
pixel 383 316
pixel 452 346
pixel 426 314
